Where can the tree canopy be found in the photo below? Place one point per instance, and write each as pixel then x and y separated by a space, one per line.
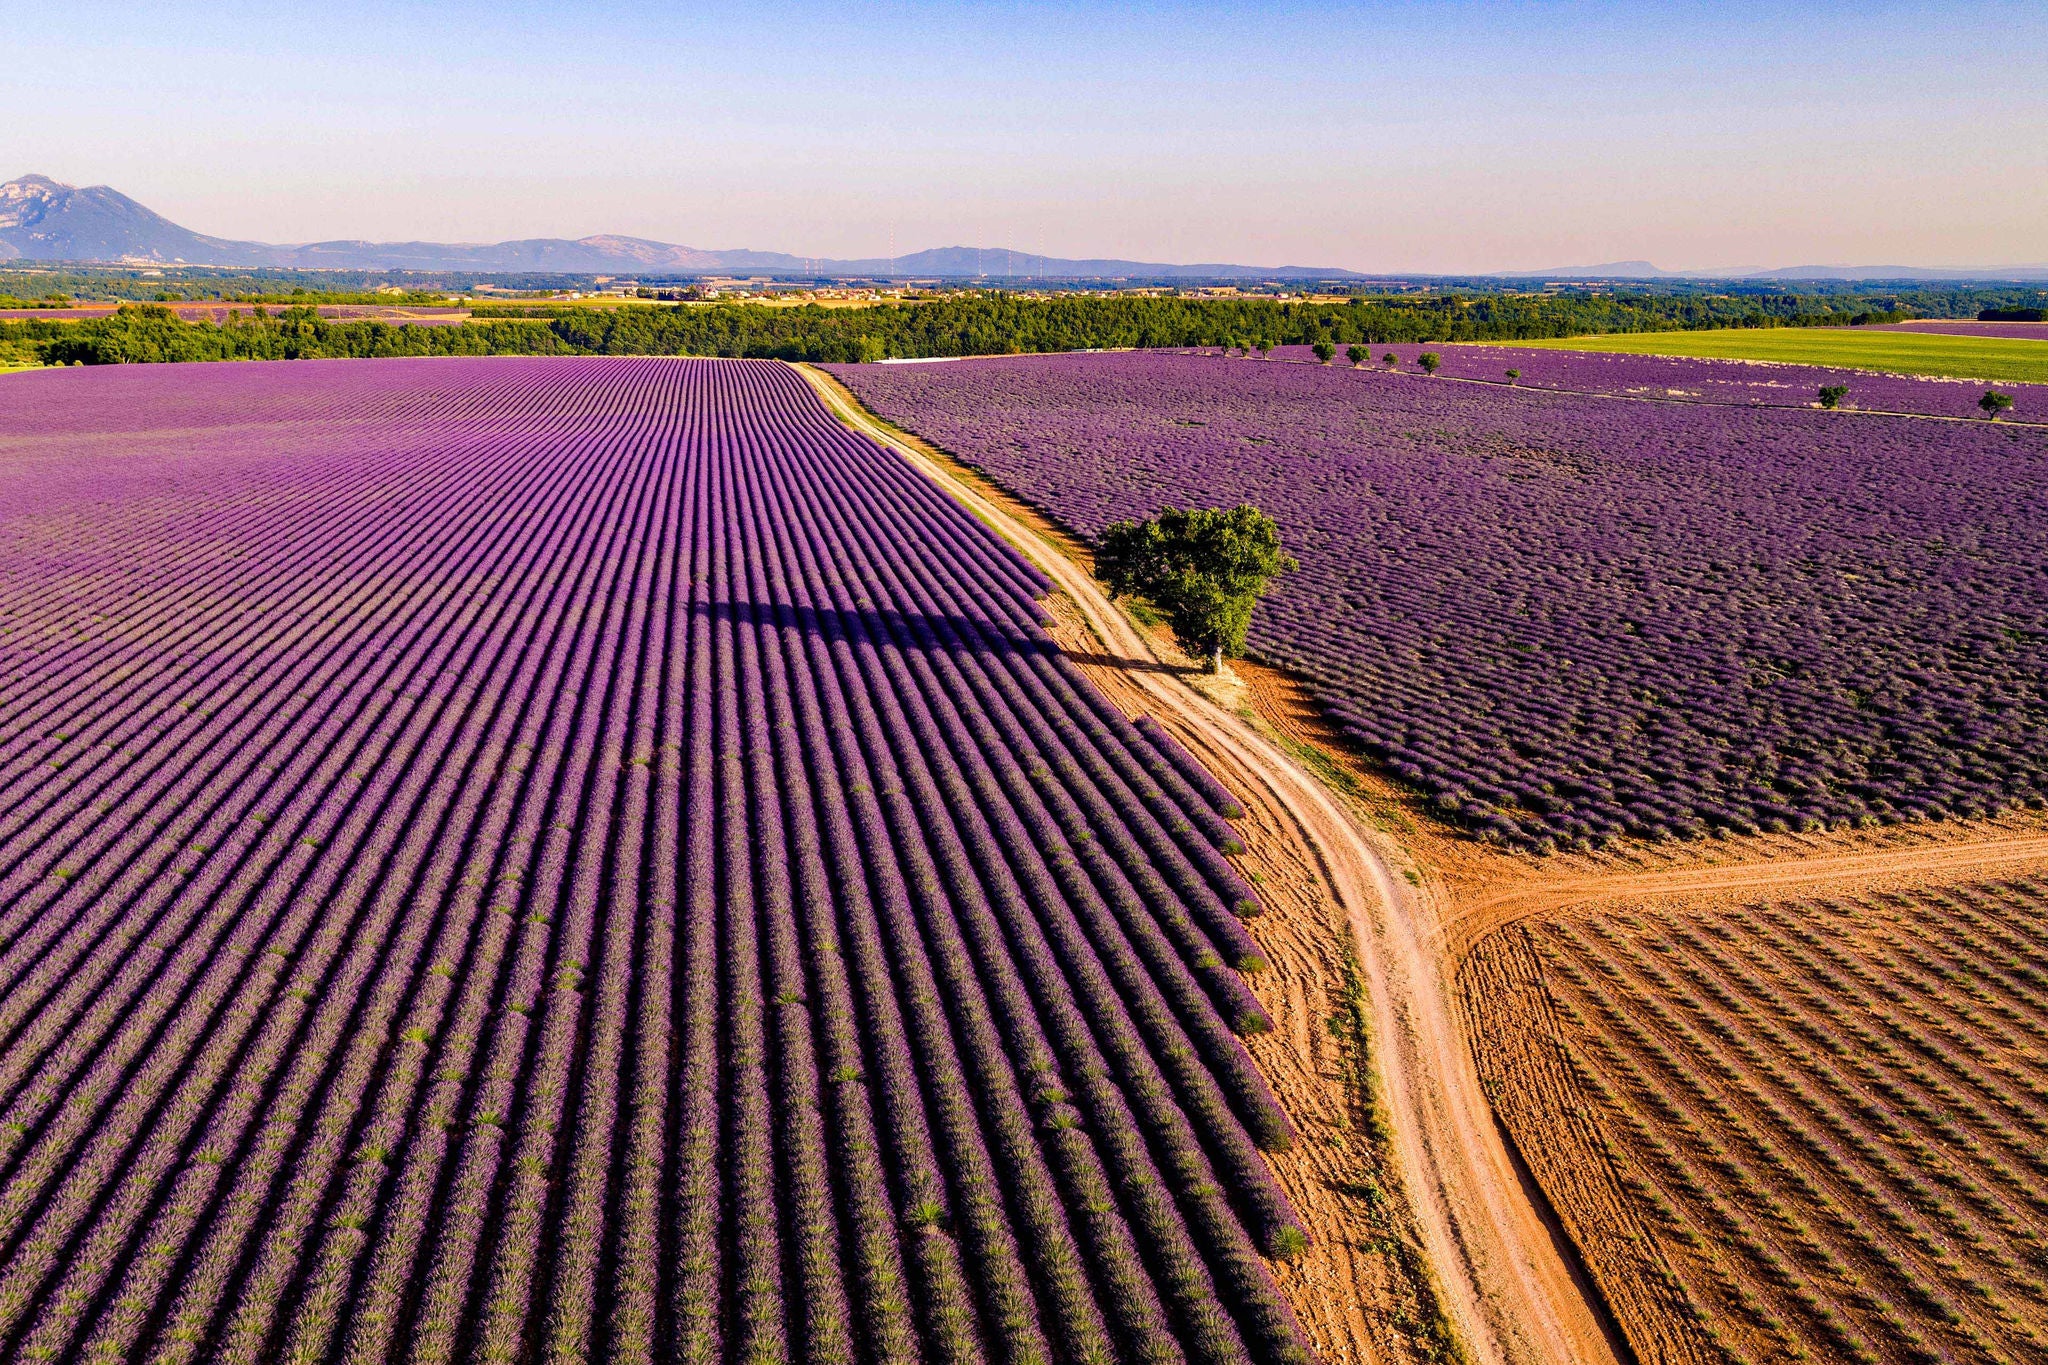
pixel 1204 569
pixel 990 323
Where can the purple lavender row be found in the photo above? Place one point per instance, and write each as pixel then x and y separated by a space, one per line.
pixel 1191 770
pixel 2016 331
pixel 255 1321
pixel 474 1269
pixel 871 1067
pixel 945 883
pixel 630 841
pixel 1169 798
pixel 972 1205
pixel 827 1326
pixel 150 592
pixel 1133 1301
pixel 1222 1224
pixel 1093 766
pixel 64 832
pixel 1013 693
pixel 173 1054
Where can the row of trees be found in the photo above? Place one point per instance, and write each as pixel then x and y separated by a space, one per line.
pixel 148 333
pixel 984 324
pixel 1993 402
pixel 999 323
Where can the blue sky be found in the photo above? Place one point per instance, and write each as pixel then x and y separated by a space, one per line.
pixel 1388 135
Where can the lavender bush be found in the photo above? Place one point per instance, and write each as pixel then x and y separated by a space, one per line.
pixel 1569 618
pixel 534 860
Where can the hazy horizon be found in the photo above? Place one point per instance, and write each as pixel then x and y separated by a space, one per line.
pixel 1438 138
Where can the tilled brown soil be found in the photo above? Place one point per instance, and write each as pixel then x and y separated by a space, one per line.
pixel 1789 1127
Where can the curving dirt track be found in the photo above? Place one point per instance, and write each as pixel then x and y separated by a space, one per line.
pixel 1504 1281
pixel 1474 919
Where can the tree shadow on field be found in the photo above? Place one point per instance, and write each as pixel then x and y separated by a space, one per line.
pixel 1002 632
pixel 918 631
pixel 1124 665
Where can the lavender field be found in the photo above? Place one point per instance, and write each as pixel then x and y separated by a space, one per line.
pixel 1569 618
pixel 1685 379
pixel 515 859
pixel 2018 331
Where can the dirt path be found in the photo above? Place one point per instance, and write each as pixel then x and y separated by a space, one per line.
pixel 1473 920
pixel 1505 1284
pixel 1362 1291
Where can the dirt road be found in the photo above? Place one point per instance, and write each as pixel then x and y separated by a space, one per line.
pixel 1505 1283
pixel 1473 920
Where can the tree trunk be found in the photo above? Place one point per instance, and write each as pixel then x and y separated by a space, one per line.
pixel 1216 660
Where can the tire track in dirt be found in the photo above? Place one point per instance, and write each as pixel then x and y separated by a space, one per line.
pixel 1504 1281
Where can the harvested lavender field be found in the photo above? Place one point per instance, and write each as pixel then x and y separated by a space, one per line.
pixel 1805 1128
pixel 1570 618
pixel 518 859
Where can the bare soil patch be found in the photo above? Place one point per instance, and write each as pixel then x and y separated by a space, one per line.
pixel 1804 1127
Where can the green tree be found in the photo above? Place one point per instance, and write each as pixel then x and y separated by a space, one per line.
pixel 1391 359
pixel 1265 349
pixel 1324 351
pixel 1357 355
pixel 1514 375
pixel 1993 402
pixel 1429 360
pixel 1205 569
pixel 1831 395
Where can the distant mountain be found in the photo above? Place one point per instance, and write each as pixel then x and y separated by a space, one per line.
pixel 1643 270
pixel 43 220
pixel 1899 272
pixel 1613 270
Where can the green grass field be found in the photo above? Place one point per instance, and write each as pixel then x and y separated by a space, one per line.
pixel 2006 359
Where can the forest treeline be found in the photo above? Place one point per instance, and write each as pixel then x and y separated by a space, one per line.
pixel 993 323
